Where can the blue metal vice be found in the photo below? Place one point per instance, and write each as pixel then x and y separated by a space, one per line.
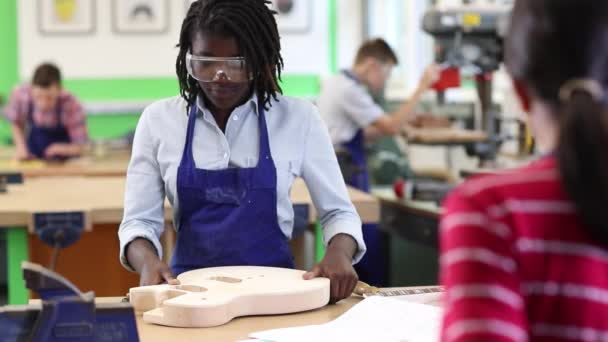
pixel 65 314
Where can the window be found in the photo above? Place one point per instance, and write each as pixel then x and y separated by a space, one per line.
pixel 399 23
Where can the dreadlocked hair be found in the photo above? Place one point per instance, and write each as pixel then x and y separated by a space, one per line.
pixel 252 24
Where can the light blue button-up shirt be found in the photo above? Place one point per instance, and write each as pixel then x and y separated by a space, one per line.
pixel 300 147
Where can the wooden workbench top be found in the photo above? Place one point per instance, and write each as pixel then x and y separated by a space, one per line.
pixel 443 136
pixel 113 163
pixel 101 198
pixel 429 209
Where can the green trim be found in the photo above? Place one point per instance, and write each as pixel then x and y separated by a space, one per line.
pixel 301 85
pixel 111 126
pixel 16 252
pixel 122 89
pixel 333 36
pixel 5 133
pixel 8 41
pixel 319 245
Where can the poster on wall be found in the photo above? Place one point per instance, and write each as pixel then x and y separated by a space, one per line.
pixel 140 16
pixel 294 16
pixel 66 17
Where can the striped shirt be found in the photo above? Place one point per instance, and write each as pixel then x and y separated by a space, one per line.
pixel 72 114
pixel 518 264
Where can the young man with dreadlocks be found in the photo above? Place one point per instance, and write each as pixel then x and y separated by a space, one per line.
pixel 226 153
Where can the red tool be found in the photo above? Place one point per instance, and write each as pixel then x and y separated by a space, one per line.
pixel 449 78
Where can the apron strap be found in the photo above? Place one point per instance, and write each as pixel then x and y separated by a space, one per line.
pixel 264 154
pixel 58 112
pixel 30 112
pixel 187 156
pixel 349 74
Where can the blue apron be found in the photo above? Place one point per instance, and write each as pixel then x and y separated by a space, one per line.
pixel 372 268
pixel 40 138
pixel 356 149
pixel 228 217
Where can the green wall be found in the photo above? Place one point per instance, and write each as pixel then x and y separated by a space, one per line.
pixel 8 42
pixel 108 126
pixel 8 55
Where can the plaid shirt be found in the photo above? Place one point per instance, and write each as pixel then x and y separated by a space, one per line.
pixel 72 114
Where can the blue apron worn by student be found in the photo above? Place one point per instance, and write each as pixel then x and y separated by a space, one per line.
pixel 228 217
pixel 372 268
pixel 40 138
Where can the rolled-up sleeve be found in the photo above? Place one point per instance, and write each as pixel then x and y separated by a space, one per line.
pixel 16 108
pixel 324 180
pixel 144 193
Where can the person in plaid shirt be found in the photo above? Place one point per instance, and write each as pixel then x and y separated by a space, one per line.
pixel 47 121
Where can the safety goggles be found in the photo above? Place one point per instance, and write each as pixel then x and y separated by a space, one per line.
pixel 211 69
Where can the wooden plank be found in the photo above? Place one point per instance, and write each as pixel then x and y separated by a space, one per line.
pixel 114 163
pixel 443 136
pixel 214 296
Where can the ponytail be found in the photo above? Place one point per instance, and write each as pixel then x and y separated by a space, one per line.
pixel 583 152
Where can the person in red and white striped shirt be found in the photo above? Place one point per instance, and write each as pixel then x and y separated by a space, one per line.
pixel 524 255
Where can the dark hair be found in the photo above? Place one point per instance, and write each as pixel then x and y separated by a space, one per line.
pixel 252 24
pixel 551 44
pixel 46 75
pixel 376 48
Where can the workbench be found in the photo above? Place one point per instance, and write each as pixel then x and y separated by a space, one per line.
pixel 443 136
pixel 449 138
pixel 92 263
pixel 110 163
pixel 240 328
pixel 410 236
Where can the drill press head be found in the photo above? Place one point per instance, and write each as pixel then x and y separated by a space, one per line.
pixel 469 34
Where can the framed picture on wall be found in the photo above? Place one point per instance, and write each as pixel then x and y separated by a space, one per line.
pixel 66 17
pixel 140 16
pixel 294 16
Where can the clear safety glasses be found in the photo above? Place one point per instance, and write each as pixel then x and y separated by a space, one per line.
pixel 211 69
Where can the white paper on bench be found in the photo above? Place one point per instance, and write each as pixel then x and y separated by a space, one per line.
pixel 373 319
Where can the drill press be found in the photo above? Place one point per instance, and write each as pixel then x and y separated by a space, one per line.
pixel 471 36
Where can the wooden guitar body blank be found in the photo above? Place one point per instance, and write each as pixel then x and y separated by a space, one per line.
pixel 214 296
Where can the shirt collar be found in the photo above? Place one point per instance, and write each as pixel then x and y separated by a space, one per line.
pixel 252 103
pixel 351 75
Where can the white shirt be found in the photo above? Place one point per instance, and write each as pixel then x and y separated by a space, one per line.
pixel 346 106
pixel 299 144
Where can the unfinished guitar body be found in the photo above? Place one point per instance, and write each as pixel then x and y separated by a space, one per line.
pixel 214 296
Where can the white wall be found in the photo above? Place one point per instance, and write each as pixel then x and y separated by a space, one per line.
pixel 309 53
pixel 349 31
pixel 398 22
pixel 105 54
